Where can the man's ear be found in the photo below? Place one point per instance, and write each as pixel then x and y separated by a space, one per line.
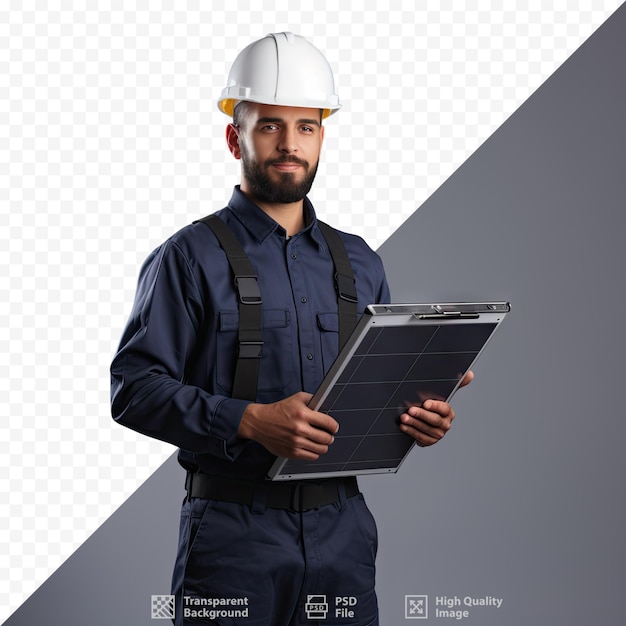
pixel 232 140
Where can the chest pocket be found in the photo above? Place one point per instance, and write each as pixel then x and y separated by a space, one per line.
pixel 276 371
pixel 328 323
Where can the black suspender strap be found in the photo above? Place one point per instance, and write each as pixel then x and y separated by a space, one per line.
pixel 250 311
pixel 344 282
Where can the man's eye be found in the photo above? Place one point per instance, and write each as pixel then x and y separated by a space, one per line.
pixel 269 127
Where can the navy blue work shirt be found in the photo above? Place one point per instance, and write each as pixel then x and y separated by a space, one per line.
pixel 172 375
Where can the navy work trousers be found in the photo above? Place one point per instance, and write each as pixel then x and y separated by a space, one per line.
pixel 257 566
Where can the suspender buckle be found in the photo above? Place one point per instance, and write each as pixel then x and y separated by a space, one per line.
pixel 250 349
pixel 248 289
pixel 346 289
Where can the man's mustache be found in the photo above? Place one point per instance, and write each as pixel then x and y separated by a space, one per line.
pixel 288 159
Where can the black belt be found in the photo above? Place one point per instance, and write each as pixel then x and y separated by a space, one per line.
pixel 293 496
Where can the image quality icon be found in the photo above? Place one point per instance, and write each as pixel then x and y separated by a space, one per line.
pixel 416 607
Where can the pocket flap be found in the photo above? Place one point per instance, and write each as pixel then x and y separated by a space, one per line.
pixel 272 318
pixel 328 321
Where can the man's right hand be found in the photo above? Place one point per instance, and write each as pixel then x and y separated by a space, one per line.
pixel 289 428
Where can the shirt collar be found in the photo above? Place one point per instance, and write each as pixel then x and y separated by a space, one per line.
pixel 261 226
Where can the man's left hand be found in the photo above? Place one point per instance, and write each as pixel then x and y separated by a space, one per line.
pixel 427 424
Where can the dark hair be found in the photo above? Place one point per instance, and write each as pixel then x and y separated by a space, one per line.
pixel 240 112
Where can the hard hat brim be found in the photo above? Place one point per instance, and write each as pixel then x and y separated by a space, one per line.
pixel 227 106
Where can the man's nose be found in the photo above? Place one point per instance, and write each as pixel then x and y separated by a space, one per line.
pixel 288 141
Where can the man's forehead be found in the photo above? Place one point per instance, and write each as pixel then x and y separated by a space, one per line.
pixel 273 112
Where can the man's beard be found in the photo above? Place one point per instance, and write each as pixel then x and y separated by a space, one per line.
pixel 285 191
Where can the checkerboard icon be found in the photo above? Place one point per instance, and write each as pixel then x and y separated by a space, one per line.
pixel 163 607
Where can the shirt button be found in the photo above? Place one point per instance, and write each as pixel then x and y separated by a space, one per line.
pixel 309 356
pixel 303 300
pixel 294 255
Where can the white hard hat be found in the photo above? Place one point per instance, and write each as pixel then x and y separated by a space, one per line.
pixel 282 69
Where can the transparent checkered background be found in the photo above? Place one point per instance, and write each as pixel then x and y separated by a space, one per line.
pixel 110 140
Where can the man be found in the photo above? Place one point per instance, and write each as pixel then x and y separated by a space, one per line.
pixel 252 551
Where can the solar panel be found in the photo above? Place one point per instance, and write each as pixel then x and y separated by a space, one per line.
pixel 398 356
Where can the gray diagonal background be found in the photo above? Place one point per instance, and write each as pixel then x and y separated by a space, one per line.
pixel 524 499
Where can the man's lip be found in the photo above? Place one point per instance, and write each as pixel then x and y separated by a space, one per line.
pixel 287 166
